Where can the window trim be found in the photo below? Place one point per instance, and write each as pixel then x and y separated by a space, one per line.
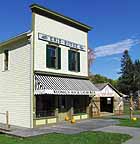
pixel 6 66
pixel 77 67
pixel 57 67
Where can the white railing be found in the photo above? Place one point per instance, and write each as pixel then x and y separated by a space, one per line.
pixel 6 114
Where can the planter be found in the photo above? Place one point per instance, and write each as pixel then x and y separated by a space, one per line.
pixel 44 121
pixel 80 116
pixel 84 116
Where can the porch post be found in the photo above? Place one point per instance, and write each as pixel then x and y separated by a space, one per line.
pixel 87 105
pixel 72 109
pixel 56 105
pixel 34 106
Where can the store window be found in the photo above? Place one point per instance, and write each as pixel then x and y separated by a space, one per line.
pixel 53 57
pixel 74 61
pixel 45 106
pixel 79 104
pixel 62 103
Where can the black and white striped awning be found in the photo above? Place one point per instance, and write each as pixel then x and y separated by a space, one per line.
pixel 45 84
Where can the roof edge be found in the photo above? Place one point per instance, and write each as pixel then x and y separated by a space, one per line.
pixel 38 8
pixel 107 83
pixel 114 88
pixel 60 75
pixel 16 38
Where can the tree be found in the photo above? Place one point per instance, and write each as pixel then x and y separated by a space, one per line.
pixel 137 74
pixel 102 79
pixel 126 80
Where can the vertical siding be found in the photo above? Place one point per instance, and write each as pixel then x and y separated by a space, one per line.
pixel 15 85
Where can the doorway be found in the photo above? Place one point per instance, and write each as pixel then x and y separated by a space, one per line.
pixel 106 104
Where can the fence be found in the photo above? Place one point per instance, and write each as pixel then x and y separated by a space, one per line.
pixel 6 114
pixel 44 113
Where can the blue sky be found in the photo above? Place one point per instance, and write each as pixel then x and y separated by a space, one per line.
pixel 116 26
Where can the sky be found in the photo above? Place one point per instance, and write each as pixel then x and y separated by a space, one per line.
pixel 116 26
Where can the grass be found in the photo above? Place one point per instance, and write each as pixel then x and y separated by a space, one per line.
pixel 127 111
pixel 129 123
pixel 82 138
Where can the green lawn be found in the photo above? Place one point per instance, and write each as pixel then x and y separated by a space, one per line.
pixel 82 138
pixel 130 123
pixel 127 111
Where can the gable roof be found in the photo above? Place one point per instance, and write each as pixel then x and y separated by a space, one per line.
pixel 59 17
pixel 101 86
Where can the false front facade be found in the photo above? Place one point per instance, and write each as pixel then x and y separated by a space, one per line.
pixel 44 72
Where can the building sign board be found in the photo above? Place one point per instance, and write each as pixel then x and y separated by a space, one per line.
pixel 63 92
pixel 60 41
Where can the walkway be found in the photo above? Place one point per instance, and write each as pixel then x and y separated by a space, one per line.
pixel 65 127
pixel 104 125
pixel 123 116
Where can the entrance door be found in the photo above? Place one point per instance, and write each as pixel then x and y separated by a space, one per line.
pixel 106 104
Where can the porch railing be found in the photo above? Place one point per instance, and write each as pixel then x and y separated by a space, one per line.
pixel 79 110
pixel 6 114
pixel 45 113
pixel 51 112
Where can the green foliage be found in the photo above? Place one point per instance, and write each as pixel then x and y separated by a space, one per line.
pixel 102 79
pixel 137 74
pixel 127 109
pixel 129 81
pixel 126 79
pixel 82 138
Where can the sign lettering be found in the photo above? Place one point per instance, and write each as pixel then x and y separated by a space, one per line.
pixel 60 41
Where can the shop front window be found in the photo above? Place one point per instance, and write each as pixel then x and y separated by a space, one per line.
pixel 79 104
pixel 45 106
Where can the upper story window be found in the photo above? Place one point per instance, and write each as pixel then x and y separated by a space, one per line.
pixel 53 57
pixel 74 61
pixel 6 59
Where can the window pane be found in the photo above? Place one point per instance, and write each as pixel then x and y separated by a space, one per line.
pixel 52 57
pixel 79 104
pixel 6 58
pixel 108 100
pixel 74 61
pixel 45 105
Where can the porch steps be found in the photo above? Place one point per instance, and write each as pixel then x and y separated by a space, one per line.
pixel 3 128
pixel 102 114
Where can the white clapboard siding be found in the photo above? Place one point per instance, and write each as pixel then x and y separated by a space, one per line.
pixel 57 29
pixel 108 90
pixel 15 85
